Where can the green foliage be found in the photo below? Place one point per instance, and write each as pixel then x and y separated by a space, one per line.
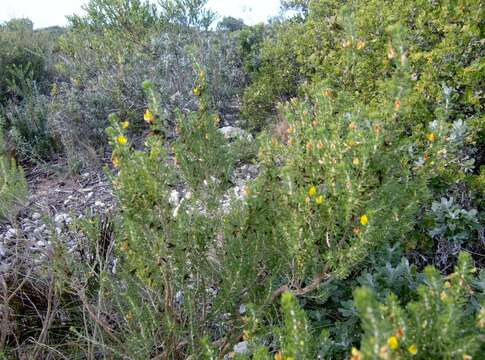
pixel 296 337
pixel 346 45
pixel 109 51
pixel 436 326
pixel 27 125
pixel 380 114
pixel 13 186
pixel 200 150
pixel 230 23
pixel 21 52
pixel 452 222
pixel 187 13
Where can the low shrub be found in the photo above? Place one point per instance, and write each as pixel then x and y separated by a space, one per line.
pixel 13 186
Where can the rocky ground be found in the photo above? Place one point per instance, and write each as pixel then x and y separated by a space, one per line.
pixel 56 200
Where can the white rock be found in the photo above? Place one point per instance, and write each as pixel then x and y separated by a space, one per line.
pixel 231 132
pixel 242 309
pixel 11 232
pixel 36 216
pixel 179 297
pixel 99 204
pixel 242 348
pixel 62 218
pixel 3 252
pixel 174 199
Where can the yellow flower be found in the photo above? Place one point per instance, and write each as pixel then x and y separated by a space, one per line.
pixel 116 161
pixel 391 53
pixel 125 124
pixel 356 161
pixel 278 356
pixel 327 92
pixel 347 44
pixel 393 342
pixel 149 117
pixel 122 140
pixel 196 91
pixel 319 200
pixel 356 354
pixel 364 219
pixel 413 350
pixel 312 191
pixel 431 137
pixel 360 44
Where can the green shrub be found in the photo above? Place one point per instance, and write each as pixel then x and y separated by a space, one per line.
pixel 439 325
pixel 13 186
pixel 28 128
pixel 24 50
pixel 109 52
pixel 200 149
pixel 343 44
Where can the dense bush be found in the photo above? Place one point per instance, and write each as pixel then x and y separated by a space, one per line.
pixel 13 186
pixel 446 322
pixel 117 45
pixel 368 193
pixel 343 44
pixel 26 59
pixel 28 126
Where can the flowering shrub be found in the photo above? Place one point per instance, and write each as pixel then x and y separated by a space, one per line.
pixel 440 324
pixel 379 110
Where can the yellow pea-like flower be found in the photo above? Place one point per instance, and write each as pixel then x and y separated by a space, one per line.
pixel 431 137
pixel 149 117
pixel 122 140
pixel 393 342
pixel 125 124
pixel 129 316
pixel 278 356
pixel 391 53
pixel 116 161
pixel 356 354
pixel 360 45
pixel 312 191
pixel 364 219
pixel 320 200
pixel 413 350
